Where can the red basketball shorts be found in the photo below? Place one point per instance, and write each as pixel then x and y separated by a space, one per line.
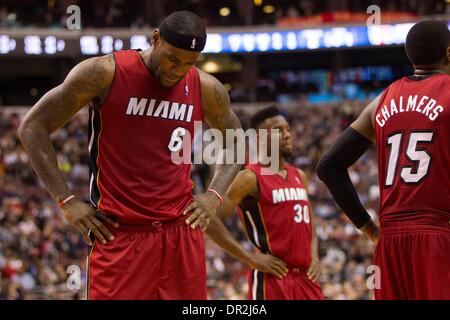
pixel 414 262
pixel 161 261
pixel 294 286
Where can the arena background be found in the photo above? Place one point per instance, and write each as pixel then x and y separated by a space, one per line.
pixel 317 60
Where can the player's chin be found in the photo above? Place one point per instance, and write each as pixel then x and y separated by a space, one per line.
pixel 286 151
pixel 168 84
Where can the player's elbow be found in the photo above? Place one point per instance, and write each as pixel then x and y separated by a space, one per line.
pixel 27 131
pixel 325 169
pixel 23 131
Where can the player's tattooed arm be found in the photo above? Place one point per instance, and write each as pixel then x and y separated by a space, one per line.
pixel 89 80
pixel 218 114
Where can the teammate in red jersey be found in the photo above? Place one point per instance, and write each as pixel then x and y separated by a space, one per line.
pixel 279 221
pixel 143 105
pixel 409 121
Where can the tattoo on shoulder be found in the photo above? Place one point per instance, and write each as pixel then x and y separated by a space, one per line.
pixel 91 77
pixel 219 93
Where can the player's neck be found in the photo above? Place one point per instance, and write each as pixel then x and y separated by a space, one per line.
pixel 280 162
pixel 426 71
pixel 146 56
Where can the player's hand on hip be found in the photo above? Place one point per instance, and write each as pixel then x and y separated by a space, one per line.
pixel 83 217
pixel 203 210
pixel 268 263
pixel 371 230
pixel 374 237
pixel 314 269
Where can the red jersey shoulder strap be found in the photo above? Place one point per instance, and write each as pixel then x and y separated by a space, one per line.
pixel 294 173
pixel 126 58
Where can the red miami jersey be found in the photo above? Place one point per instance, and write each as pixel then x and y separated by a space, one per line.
pixel 279 223
pixel 132 138
pixel 412 126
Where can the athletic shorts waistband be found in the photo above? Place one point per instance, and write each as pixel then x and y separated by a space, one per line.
pixel 155 226
pixel 393 229
pixel 295 269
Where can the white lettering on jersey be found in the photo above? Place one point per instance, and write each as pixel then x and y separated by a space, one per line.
pixel 160 109
pixel 288 194
pixel 424 105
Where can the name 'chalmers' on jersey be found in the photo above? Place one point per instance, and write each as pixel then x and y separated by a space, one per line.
pixel 423 104
pixel 413 145
pixel 132 139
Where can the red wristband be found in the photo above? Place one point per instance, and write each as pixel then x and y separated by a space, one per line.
pixel 217 194
pixel 64 201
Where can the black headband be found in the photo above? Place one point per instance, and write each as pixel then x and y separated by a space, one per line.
pixel 182 41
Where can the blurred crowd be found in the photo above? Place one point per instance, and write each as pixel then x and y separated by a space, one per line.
pixel 149 13
pixel 42 257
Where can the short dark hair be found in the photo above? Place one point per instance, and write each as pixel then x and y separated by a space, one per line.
pixel 262 115
pixel 186 23
pixel 427 42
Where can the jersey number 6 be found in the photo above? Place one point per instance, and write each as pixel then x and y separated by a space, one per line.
pixel 176 140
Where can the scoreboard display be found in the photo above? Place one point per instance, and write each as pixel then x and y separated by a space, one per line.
pixel 57 45
pixel 67 43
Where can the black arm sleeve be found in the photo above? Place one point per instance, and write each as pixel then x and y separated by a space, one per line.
pixel 332 170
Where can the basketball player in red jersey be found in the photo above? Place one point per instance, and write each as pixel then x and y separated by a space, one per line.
pixel 147 225
pixel 278 219
pixel 409 122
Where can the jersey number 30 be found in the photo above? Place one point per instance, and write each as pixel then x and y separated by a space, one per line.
pixel 421 158
pixel 301 213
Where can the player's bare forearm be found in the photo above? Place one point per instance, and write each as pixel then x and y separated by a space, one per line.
pixel 259 261
pixel 36 141
pixel 52 111
pixel 314 241
pixel 219 233
pixel 226 172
